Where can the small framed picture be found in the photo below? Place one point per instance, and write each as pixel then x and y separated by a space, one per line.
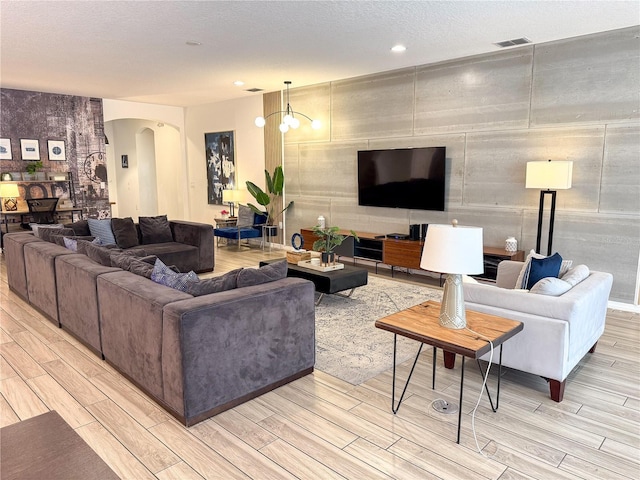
pixel 57 151
pixel 125 161
pixel 30 149
pixel 5 149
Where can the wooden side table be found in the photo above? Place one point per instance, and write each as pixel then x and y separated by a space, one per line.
pixel 226 222
pixel 420 323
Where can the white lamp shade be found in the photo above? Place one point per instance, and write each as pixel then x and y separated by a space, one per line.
pixel 9 190
pixel 549 175
pixel 456 250
pixel 231 196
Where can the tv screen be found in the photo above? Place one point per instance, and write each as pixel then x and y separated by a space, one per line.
pixel 402 178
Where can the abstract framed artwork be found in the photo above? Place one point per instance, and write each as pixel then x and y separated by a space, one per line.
pixel 30 149
pixel 221 164
pixel 5 149
pixel 57 151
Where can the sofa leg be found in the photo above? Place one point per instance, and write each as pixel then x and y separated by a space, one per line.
pixel 556 389
pixel 449 359
pixel 593 349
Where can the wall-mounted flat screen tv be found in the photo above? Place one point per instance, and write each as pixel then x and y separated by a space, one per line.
pixel 402 178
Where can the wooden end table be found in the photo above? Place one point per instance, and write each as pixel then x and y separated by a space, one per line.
pixel 420 323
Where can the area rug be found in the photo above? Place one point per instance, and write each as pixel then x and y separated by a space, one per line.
pixel 348 345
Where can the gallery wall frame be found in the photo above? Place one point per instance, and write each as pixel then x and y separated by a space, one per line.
pixel 221 164
pixel 30 149
pixel 57 150
pixel 5 149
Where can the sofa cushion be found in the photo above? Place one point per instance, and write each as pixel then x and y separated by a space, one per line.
pixel 44 231
pixel 543 267
pixel 551 286
pixel 245 216
pixel 59 239
pixel 140 267
pixel 228 281
pixel 102 229
pixel 97 253
pixel 81 227
pixel 125 232
pixel 268 273
pixel 155 229
pixel 165 276
pixel 576 275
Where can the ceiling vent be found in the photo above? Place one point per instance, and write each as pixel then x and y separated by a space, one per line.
pixel 254 90
pixel 511 43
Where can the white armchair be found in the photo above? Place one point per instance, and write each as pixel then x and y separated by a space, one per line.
pixel 558 331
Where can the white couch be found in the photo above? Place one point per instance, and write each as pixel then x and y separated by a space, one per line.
pixel 558 331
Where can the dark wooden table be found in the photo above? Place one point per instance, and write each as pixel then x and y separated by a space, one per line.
pixel 420 323
pixel 46 447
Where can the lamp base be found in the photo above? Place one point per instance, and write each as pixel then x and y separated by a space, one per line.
pixel 452 313
pixel 10 205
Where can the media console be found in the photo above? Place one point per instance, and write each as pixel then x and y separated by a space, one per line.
pixel 402 253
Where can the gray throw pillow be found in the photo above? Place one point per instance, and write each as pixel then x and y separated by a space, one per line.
pixel 245 216
pixel 256 276
pixel 228 281
pixel 55 236
pixel 102 230
pixel 44 232
pixel 141 268
pixel 81 227
pixel 97 253
pixel 125 232
pixel 155 229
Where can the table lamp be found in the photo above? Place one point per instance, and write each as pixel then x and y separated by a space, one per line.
pixel 231 197
pixel 548 176
pixel 9 192
pixel 454 250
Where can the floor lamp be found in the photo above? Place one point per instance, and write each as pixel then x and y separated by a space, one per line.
pixel 453 250
pixel 548 176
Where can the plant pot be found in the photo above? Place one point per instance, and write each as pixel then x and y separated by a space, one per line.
pixel 41 176
pixel 28 177
pixel 328 258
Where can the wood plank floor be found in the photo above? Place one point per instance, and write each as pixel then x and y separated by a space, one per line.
pixel 321 427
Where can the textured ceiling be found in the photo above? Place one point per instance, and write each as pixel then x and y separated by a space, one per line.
pixel 136 50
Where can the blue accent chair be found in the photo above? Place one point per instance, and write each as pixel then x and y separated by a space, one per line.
pixel 240 233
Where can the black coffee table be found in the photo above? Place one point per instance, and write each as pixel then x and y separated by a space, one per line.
pixel 333 282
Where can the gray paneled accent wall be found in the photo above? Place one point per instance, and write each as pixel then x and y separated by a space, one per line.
pixel 576 99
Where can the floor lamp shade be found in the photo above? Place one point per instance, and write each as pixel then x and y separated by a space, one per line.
pixel 548 177
pixel 454 250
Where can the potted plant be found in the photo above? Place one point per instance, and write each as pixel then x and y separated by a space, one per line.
pixel 32 168
pixel 275 187
pixel 328 240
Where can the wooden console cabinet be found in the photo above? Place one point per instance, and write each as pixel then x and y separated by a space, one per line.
pixel 403 253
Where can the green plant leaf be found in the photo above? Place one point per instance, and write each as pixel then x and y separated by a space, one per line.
pixel 257 193
pixel 278 181
pixel 255 209
pixel 268 182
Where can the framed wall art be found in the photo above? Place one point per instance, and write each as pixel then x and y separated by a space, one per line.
pixel 57 151
pixel 30 149
pixel 5 149
pixel 221 164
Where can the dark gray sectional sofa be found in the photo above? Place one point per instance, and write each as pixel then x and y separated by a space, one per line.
pixel 195 356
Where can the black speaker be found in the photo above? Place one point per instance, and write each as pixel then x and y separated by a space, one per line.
pixel 423 231
pixel 414 231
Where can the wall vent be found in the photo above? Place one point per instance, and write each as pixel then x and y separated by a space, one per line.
pixel 253 90
pixel 511 43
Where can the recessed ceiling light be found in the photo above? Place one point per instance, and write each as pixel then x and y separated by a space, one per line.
pixel 193 43
pixel 398 48
pixel 238 83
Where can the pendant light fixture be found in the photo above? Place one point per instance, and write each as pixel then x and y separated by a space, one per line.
pixel 289 119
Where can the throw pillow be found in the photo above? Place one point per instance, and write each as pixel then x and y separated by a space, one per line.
pixel 141 268
pixel 543 267
pixel 125 232
pixel 228 281
pixel 245 216
pixel 45 231
pixel 551 286
pixel 165 276
pixel 102 229
pixel 155 229
pixel 269 273
pixel 81 227
pixel 523 276
pixel 98 253
pixel 576 275
pixel 70 243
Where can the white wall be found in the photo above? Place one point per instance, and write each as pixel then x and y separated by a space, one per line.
pixel 234 115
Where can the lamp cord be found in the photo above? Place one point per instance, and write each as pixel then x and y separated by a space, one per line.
pixel 482 388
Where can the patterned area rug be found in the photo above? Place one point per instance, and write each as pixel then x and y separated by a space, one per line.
pixel 348 345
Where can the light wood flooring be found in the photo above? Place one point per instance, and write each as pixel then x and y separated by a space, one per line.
pixel 320 427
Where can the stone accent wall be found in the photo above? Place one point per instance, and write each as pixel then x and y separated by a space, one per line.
pixel 576 99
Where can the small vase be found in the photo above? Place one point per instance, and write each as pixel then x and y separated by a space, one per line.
pixel 328 258
pixel 511 244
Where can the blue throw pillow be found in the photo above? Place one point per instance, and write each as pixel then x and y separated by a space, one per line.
pixel 165 276
pixel 102 229
pixel 544 267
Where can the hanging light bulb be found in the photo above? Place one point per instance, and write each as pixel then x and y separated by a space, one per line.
pixel 289 120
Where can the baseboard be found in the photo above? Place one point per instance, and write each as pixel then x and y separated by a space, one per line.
pixel 625 307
